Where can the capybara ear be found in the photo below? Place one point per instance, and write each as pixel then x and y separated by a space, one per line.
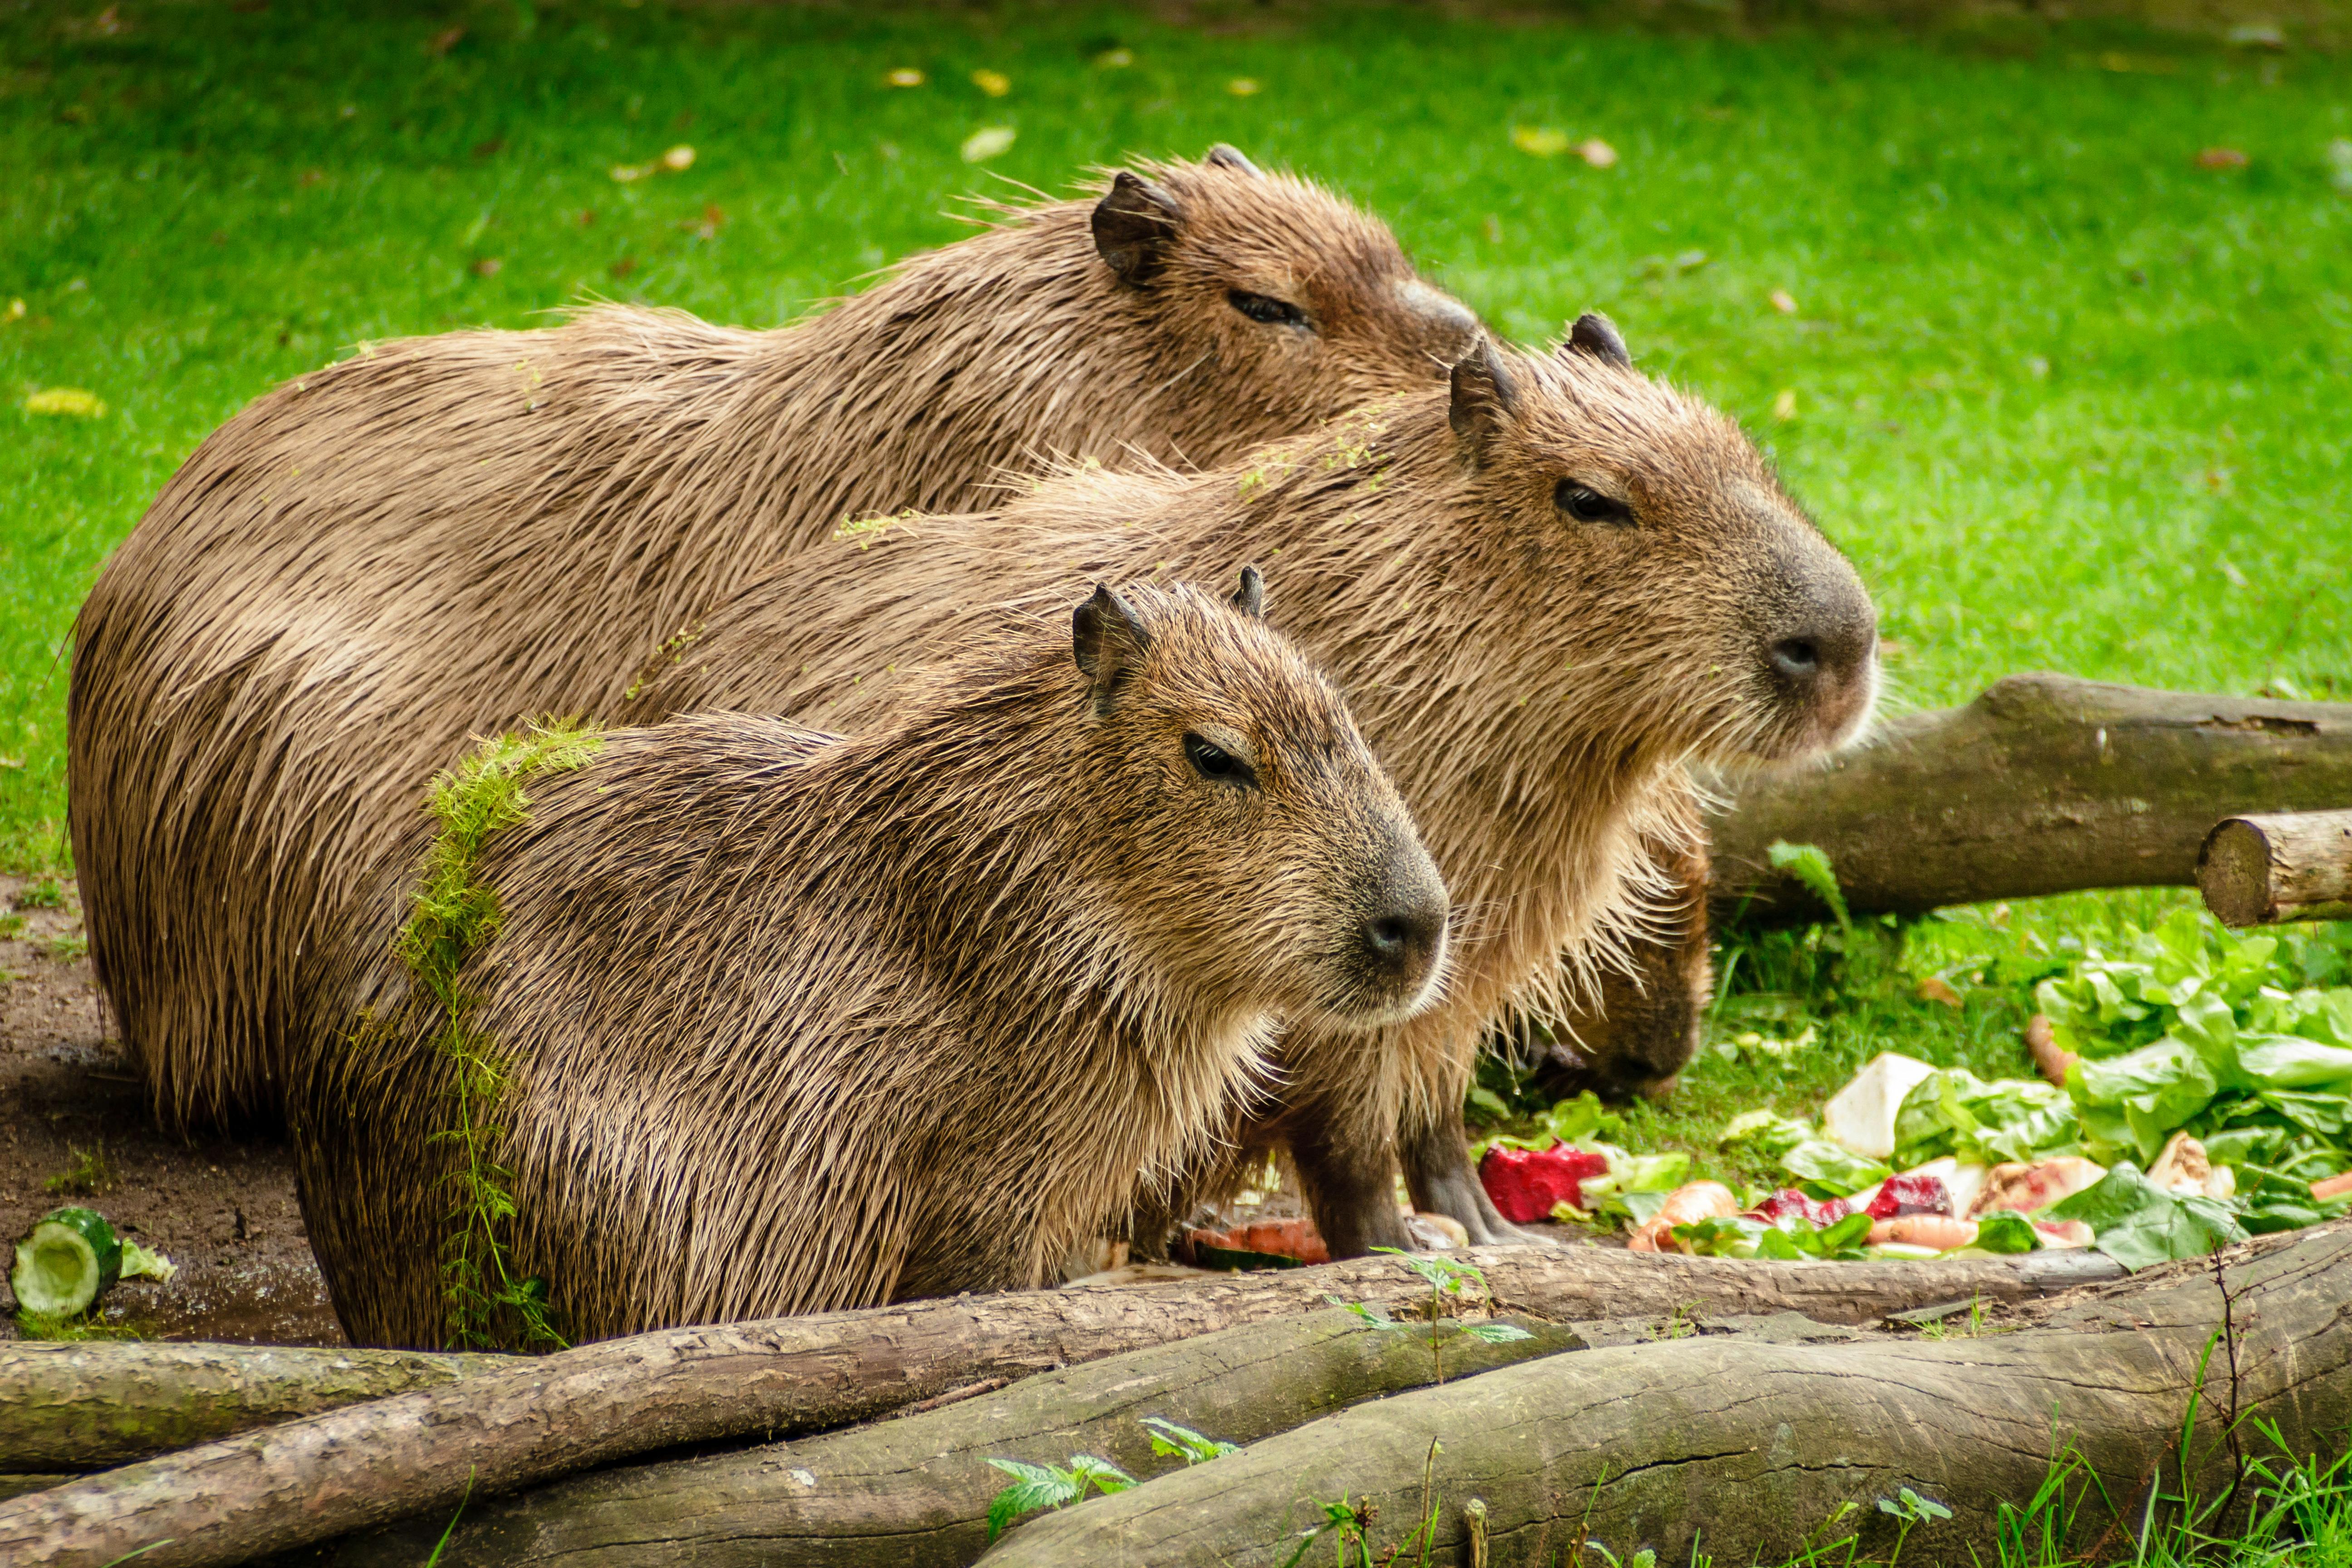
pixel 1107 641
pixel 1225 155
pixel 1483 397
pixel 1595 336
pixel 1135 223
pixel 1250 597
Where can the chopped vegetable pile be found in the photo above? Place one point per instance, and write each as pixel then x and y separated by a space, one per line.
pixel 2207 1095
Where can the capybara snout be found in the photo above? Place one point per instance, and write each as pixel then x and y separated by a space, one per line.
pixel 1400 953
pixel 1279 845
pixel 1819 650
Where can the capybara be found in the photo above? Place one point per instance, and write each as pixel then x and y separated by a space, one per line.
pixel 444 536
pixel 788 1023
pixel 1542 591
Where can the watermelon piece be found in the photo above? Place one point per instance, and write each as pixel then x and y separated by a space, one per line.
pixel 1910 1193
pixel 1524 1184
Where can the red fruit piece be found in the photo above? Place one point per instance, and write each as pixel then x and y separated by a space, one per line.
pixel 1911 1194
pixel 1789 1202
pixel 1525 1183
pixel 1280 1238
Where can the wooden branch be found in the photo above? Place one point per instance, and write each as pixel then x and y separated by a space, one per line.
pixel 1745 1447
pixel 298 1483
pixel 86 1405
pixel 2043 784
pixel 914 1492
pixel 2259 870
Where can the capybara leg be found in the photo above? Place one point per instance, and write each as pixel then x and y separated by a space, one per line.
pixel 1352 1190
pixel 1437 1170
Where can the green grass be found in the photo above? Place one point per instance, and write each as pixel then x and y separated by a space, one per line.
pixel 2070 400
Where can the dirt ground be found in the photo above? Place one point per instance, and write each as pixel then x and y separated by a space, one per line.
pixel 225 1212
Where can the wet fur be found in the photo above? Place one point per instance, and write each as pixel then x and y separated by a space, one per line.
pixel 441 537
pixel 796 1023
pixel 1534 686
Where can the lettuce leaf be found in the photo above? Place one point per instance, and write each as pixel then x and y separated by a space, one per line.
pixel 1958 1113
pixel 2139 1224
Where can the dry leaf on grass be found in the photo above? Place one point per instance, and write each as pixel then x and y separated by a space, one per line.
pixel 996 84
pixel 1935 988
pixel 1542 141
pixel 66 400
pixel 905 76
pixel 1597 153
pixel 1784 406
pixel 1243 87
pixel 2220 158
pixel 986 143
pixel 1783 302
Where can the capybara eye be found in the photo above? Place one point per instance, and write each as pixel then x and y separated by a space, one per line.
pixel 1211 763
pixel 1266 307
pixel 1588 505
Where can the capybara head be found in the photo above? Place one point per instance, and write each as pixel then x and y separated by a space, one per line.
pixel 1646 531
pixel 1259 848
pixel 1284 303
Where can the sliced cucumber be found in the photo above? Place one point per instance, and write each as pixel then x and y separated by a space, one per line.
pixel 69 1258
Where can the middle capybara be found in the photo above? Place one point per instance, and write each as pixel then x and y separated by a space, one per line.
pixel 446 536
pixel 782 1023
pixel 1543 593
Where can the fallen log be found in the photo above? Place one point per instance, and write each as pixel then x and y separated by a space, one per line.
pixel 87 1404
pixel 2259 870
pixel 2043 784
pixel 1744 1450
pixel 914 1492
pixel 293 1484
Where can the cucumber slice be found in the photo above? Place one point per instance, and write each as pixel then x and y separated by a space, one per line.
pixel 62 1264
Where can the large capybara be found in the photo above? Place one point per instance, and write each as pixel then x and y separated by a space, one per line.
pixel 444 536
pixel 1543 593
pixel 788 1023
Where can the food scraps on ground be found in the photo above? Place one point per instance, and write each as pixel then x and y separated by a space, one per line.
pixel 1527 1185
pixel 71 1257
pixel 1684 1206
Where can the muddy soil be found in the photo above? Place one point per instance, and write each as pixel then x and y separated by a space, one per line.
pixel 73 1128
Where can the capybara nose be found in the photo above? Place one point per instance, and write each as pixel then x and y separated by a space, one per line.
pixel 1404 937
pixel 1823 658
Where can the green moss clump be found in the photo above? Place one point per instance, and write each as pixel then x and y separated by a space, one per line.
pixel 451 917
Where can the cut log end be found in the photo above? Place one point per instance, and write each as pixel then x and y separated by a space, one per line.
pixel 2259 870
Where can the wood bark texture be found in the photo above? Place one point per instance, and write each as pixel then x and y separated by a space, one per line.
pixel 914 1492
pixel 1747 1448
pixel 2043 784
pixel 88 1404
pixel 303 1481
pixel 2259 870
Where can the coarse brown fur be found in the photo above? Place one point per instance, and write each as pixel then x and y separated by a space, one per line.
pixel 1533 682
pixel 444 536
pixel 791 1023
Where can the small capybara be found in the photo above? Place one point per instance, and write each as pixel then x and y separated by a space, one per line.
pixel 446 536
pixel 1543 593
pixel 789 1023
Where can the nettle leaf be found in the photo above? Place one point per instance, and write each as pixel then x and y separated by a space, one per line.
pixel 1373 1315
pixel 1167 1437
pixel 1106 1476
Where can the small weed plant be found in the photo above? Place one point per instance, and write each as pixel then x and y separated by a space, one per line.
pixel 1445 1278
pixel 88 1173
pixel 1054 1486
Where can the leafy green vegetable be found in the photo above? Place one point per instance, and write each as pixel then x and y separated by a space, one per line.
pixel 1787 1239
pixel 2139 1224
pixel 1822 1169
pixel 1958 1113
pixel 2005 1231
pixel 2239 1039
pixel 1167 1438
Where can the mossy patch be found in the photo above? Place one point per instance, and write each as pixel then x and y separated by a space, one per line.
pixel 452 916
